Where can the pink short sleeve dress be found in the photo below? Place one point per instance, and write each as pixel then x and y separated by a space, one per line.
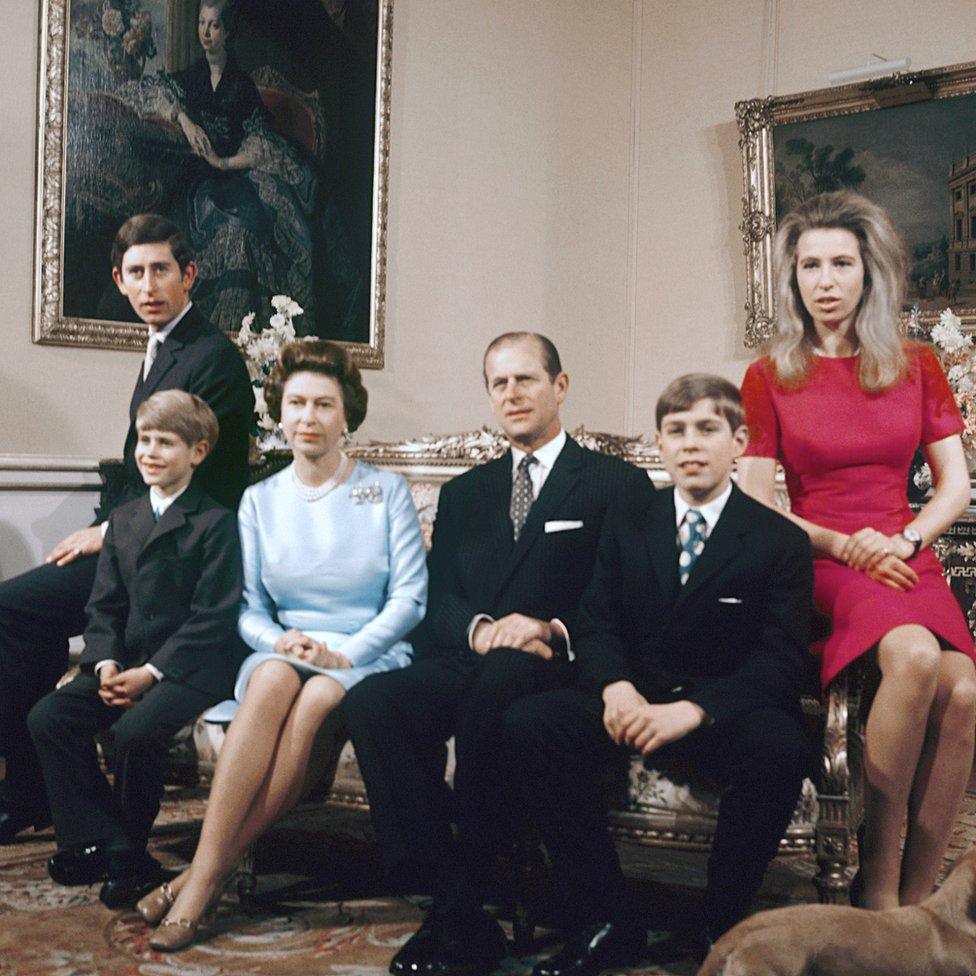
pixel 846 455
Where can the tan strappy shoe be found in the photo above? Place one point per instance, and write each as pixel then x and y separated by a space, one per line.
pixel 174 934
pixel 153 908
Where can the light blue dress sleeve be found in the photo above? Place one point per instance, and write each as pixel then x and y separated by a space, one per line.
pixel 257 625
pixel 406 596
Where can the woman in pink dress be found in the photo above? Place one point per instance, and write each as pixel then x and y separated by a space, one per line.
pixel 842 401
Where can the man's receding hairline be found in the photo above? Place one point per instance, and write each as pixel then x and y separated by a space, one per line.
pixel 497 344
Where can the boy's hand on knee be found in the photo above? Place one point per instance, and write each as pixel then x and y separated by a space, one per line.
pixel 123 689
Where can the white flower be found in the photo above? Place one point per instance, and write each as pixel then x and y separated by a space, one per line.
pixel 260 404
pixel 288 331
pixel 265 422
pixel 278 322
pixel 956 374
pixel 247 322
pixel 286 305
pixel 265 347
pixel 948 317
pixel 948 335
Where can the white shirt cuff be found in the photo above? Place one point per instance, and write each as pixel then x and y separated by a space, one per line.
pixel 474 623
pixel 106 663
pixel 564 630
pixel 154 671
pixel 104 527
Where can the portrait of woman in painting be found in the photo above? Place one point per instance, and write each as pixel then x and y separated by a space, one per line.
pixel 237 157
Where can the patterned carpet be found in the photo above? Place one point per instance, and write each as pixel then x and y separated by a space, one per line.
pixel 323 908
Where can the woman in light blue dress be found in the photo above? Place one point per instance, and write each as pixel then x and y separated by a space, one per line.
pixel 334 580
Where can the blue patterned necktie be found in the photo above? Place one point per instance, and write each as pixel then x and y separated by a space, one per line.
pixel 691 536
pixel 522 496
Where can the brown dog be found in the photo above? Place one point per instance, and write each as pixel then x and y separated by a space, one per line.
pixel 935 938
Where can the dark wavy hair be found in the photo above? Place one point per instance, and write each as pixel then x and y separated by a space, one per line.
pixel 326 358
pixel 150 228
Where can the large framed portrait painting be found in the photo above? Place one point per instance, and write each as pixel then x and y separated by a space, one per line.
pixel 260 127
pixel 905 141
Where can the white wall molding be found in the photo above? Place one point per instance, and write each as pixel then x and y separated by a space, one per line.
pixel 28 472
pixel 42 499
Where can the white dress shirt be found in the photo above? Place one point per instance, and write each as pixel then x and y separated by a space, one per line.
pixel 710 511
pixel 545 458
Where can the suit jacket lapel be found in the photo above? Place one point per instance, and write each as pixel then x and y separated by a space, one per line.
pixel 173 517
pixel 723 545
pixel 169 352
pixel 661 540
pixel 560 482
pixel 496 497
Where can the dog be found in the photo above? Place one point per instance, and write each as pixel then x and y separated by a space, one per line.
pixel 934 938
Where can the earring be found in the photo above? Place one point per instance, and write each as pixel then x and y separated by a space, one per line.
pixel 346 436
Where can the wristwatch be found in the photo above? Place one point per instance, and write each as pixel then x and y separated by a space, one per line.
pixel 914 537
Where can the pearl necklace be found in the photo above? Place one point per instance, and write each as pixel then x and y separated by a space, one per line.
pixel 311 493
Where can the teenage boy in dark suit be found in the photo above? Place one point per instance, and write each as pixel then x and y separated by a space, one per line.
pixel 160 648
pixel 692 647
pixel 153 266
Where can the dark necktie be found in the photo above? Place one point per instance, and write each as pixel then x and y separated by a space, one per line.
pixel 691 536
pixel 522 496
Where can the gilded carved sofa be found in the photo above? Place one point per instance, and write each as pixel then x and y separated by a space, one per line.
pixel 658 811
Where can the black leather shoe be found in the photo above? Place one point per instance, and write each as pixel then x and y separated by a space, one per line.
pixel 14 819
pixel 78 865
pixel 604 945
pixel 412 954
pixel 472 947
pixel 130 877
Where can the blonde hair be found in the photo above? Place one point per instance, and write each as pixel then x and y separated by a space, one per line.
pixel 181 413
pixel 882 360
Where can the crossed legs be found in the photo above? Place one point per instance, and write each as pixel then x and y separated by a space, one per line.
pixel 918 755
pixel 260 774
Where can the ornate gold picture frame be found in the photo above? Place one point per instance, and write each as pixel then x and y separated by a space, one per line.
pixel 109 145
pixel 905 141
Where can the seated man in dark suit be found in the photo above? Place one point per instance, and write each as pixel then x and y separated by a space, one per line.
pixel 161 647
pixel 692 648
pixel 41 609
pixel 513 547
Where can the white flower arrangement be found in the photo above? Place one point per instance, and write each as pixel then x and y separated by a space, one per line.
pixel 958 357
pixel 261 350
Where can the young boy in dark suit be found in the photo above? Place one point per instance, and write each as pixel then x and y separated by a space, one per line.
pixel 691 649
pixel 160 648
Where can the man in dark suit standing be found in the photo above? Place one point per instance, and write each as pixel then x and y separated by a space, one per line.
pixel 513 547
pixel 41 609
pixel 691 649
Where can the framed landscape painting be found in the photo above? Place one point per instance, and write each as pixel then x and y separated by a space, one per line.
pixel 273 164
pixel 906 142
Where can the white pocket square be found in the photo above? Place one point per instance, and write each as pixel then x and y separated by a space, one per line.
pixel 729 599
pixel 563 525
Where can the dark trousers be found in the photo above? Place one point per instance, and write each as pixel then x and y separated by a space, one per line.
pixel 39 611
pixel 559 754
pixel 399 722
pixel 86 809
